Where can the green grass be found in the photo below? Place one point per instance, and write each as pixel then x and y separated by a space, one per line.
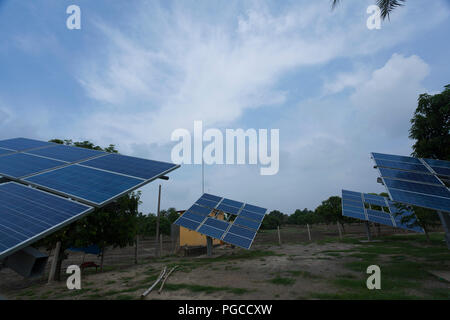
pixel 124 297
pixel 282 281
pixel 205 289
pixel 304 274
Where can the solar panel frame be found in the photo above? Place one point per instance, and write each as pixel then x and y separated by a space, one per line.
pixel 17 173
pixel 27 144
pixel 210 225
pixel 30 240
pixel 67 153
pixel 371 215
pixel 90 202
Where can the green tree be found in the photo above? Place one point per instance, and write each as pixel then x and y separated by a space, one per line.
pixel 386 6
pixel 114 225
pixel 431 126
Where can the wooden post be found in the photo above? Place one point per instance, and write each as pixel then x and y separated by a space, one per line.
pixel 340 231
pixel 136 248
pixel 279 235
pixel 51 276
pixel 309 231
pixel 160 244
pixel 157 222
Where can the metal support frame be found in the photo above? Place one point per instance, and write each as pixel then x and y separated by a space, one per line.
pixel 445 220
pixel 209 246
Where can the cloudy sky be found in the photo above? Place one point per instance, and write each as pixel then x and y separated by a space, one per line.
pixel 138 70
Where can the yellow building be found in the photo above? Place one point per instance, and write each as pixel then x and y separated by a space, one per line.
pixel 192 238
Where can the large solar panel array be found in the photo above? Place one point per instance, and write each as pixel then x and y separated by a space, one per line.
pixel 202 217
pixel 27 215
pixel 373 208
pixel 415 181
pixel 90 176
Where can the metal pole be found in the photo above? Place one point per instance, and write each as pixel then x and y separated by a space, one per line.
pixel 157 222
pixel 209 246
pixel 445 220
pixel 369 237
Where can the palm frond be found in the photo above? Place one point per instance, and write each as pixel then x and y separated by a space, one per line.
pixel 387 6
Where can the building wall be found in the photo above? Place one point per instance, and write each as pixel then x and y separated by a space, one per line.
pixel 192 238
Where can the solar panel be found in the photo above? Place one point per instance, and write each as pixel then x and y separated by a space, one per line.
pixel 364 210
pixel 27 215
pixel 18 165
pixel 91 186
pixel 241 232
pixel 5 151
pixel 131 166
pixel 21 144
pixel 67 153
pixel 409 186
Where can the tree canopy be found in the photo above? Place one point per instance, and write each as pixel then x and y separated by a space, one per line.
pixel 431 126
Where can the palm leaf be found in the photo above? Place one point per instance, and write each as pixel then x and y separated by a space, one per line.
pixel 386 6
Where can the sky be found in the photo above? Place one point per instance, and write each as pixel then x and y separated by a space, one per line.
pixel 138 70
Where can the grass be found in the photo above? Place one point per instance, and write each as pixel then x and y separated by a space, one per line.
pixel 304 274
pixel 282 281
pixel 205 289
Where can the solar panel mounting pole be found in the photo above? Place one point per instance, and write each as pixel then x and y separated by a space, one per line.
pixel 369 237
pixel 209 241
pixel 445 220
pixel 158 253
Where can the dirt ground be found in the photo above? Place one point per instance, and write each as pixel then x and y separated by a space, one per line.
pixel 298 269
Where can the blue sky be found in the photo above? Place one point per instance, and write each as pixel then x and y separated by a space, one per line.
pixel 137 70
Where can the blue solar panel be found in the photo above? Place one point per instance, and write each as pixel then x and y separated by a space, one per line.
pixel 418 187
pixel 200 210
pixel 228 209
pixel 131 166
pixel 375 202
pixel 251 215
pixel 206 203
pixel 247 223
pixel 259 210
pixel 21 144
pixel 243 232
pixel 186 223
pixel 216 223
pixel 420 200
pixel 18 165
pixel 86 184
pixel 5 151
pixel 352 203
pixel 192 216
pixel 232 203
pixel 377 219
pixel 438 163
pixel 27 215
pixel 402 166
pixel 352 198
pixel 239 232
pixel 237 240
pixel 390 157
pixel 211 231
pixel 442 171
pixel 377 216
pixel 67 153
pixel 359 210
pixel 411 176
pixel 211 197
pixel 351 193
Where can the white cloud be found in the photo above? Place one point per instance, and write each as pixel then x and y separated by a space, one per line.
pixel 387 101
